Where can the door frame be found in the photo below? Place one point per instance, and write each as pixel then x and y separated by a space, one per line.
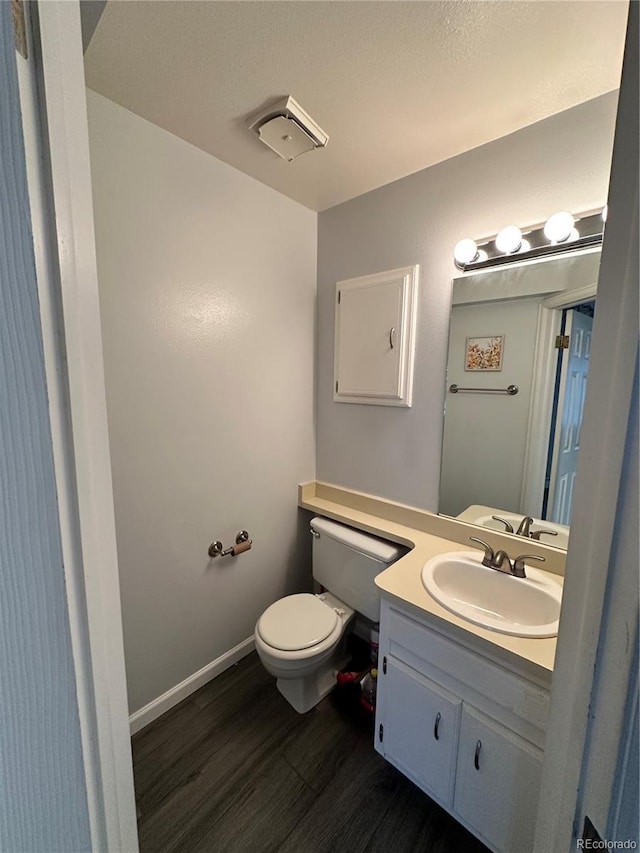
pixel 541 406
pixel 596 566
pixel 53 104
pixel 96 617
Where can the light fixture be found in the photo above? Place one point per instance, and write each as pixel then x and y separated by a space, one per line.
pixel 509 240
pixel 558 227
pixel 561 233
pixel 465 252
pixel 605 211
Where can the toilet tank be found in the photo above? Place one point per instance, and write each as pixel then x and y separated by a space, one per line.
pixel 346 561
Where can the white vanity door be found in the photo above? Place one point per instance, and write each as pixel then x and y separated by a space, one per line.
pixel 421 723
pixel 497 782
pixel 374 338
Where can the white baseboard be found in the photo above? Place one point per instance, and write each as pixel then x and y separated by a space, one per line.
pixel 157 707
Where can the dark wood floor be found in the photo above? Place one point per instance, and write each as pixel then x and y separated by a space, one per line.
pixel 234 769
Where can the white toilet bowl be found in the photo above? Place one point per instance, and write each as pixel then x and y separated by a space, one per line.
pixel 300 640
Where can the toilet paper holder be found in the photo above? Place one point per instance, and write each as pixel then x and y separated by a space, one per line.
pixel 243 543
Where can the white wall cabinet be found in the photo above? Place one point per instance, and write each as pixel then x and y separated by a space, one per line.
pixel 375 338
pixel 463 728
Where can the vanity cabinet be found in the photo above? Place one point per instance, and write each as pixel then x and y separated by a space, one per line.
pixel 422 732
pixel 466 729
pixel 497 782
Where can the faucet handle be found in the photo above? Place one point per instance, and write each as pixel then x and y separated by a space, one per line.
pixel 536 534
pixel 518 564
pixel 508 528
pixel 487 560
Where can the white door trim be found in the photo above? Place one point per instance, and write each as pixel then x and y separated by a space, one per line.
pixel 605 419
pixel 540 409
pixel 595 525
pixel 67 280
pixel 569 298
pixel 562 394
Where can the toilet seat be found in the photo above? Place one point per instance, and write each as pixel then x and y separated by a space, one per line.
pixel 297 623
pixel 306 669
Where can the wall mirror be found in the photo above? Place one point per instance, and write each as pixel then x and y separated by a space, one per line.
pixel 517 368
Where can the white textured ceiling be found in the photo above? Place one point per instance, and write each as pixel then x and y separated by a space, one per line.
pixel 397 85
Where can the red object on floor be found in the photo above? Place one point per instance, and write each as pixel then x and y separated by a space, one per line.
pixel 348 677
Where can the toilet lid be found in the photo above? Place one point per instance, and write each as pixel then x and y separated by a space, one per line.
pixel 297 622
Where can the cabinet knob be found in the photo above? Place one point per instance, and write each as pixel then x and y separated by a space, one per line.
pixel 476 757
pixel 437 726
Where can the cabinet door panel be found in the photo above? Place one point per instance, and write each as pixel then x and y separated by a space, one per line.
pixel 420 729
pixel 368 363
pixel 374 338
pixel 497 782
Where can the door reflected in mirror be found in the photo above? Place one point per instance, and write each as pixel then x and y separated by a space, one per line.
pixel 511 456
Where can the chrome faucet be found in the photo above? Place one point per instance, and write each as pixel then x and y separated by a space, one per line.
pixel 501 562
pixel 525 526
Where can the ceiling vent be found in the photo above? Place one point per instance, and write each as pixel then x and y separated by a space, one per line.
pixel 287 129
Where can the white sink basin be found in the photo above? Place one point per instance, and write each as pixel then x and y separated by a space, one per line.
pixel 522 607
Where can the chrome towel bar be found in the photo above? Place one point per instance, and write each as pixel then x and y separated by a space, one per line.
pixel 510 390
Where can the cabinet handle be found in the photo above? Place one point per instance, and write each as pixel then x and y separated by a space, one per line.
pixel 392 332
pixel 437 726
pixel 476 757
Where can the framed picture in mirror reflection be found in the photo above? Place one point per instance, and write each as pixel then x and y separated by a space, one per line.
pixel 484 353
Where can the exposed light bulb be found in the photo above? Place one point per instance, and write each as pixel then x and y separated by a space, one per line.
pixel 509 240
pixel 605 211
pixel 465 252
pixel 573 235
pixel 482 256
pixel 525 246
pixel 558 227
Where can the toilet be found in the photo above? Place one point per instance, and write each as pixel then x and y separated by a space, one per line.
pixel 301 639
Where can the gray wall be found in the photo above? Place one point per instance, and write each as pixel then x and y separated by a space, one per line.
pixel 42 786
pixel 207 292
pixel 482 468
pixel 559 163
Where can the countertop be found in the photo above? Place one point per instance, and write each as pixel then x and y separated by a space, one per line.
pixel 427 535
